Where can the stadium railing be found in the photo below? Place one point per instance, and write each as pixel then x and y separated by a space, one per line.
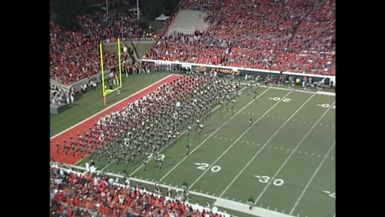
pixel 239 70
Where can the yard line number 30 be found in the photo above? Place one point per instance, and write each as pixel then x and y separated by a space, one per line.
pixel 266 179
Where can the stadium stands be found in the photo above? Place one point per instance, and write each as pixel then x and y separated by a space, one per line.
pixel 290 35
pixel 74 55
pixel 74 193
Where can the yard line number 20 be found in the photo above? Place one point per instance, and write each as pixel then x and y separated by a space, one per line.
pixel 160 156
pixel 204 166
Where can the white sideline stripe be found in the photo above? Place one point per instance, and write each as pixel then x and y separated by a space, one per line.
pixel 311 178
pixel 247 130
pixel 326 93
pixel 220 127
pixel 112 105
pixel 291 154
pixel 264 145
pixel 244 208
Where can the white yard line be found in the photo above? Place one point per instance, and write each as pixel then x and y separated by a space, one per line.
pixel 108 165
pixel 311 179
pixel 113 105
pixel 291 154
pixel 235 141
pixel 264 145
pixel 216 130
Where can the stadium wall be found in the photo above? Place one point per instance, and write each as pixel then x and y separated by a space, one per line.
pixel 238 70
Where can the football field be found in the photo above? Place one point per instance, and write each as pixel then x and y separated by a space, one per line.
pixel 284 159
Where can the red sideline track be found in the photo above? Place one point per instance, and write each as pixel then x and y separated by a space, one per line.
pixel 89 122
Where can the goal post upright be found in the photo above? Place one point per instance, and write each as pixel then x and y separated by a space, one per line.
pixel 104 91
pixel 120 65
pixel 102 71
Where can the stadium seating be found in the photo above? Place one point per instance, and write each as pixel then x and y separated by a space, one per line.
pixel 74 55
pixel 98 194
pixel 276 35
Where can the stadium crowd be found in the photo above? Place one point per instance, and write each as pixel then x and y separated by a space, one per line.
pixel 289 35
pixel 92 194
pixel 74 54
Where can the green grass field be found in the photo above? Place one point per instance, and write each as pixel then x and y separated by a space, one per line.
pixel 285 160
